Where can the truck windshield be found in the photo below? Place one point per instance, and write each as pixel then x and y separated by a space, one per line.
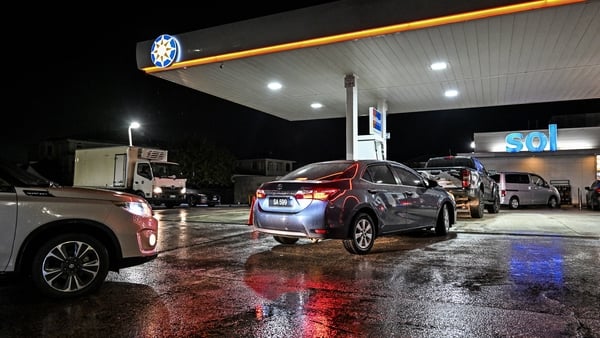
pixel 166 169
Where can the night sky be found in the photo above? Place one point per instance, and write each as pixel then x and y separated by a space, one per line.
pixel 74 75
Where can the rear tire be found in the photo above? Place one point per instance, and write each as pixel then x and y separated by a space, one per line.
pixel 553 203
pixel 362 235
pixel 514 203
pixel 477 207
pixel 442 226
pixel 285 240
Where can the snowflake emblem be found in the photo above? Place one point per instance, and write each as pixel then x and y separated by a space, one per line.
pixel 165 50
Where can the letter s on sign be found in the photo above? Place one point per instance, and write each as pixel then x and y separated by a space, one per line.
pixel 514 142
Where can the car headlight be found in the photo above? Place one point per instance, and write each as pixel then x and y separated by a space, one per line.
pixel 136 208
pixel 157 190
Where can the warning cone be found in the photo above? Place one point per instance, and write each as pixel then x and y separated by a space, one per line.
pixel 251 217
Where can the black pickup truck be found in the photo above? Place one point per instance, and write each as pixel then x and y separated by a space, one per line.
pixel 467 179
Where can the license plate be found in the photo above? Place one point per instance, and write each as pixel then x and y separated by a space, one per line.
pixel 172 196
pixel 279 202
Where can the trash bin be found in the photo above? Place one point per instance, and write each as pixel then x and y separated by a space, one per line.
pixel 564 189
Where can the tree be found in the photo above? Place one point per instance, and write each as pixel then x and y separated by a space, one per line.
pixel 204 164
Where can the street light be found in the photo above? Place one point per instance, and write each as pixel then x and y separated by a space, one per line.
pixel 133 125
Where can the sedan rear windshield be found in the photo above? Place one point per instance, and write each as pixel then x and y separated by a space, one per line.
pixel 322 172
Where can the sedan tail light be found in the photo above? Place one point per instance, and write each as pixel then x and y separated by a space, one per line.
pixel 322 194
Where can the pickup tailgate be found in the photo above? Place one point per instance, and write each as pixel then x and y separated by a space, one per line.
pixel 448 178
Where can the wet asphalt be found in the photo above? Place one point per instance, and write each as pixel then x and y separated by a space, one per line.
pixel 518 273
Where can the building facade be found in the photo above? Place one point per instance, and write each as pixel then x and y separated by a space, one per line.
pixel 569 158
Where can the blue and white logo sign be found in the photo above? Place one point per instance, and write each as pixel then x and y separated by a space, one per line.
pixel 165 51
pixel 535 141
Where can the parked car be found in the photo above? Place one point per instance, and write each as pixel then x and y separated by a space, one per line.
pixel 66 239
pixel 525 189
pixel 355 201
pixel 194 196
pixel 592 195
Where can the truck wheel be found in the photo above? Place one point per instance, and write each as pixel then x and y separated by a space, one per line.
pixel 362 235
pixel 141 194
pixel 513 203
pixel 477 207
pixel 494 208
pixel 70 265
pixel 442 225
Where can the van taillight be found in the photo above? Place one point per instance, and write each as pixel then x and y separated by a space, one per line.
pixel 503 193
pixel 466 178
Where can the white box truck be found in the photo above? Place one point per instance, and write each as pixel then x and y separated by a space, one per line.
pixel 141 171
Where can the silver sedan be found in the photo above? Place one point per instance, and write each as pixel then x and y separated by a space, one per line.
pixel 352 200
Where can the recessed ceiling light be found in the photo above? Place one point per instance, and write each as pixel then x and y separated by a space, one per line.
pixel 316 105
pixel 439 65
pixel 451 93
pixel 274 85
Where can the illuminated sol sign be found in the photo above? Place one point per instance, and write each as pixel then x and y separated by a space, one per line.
pixel 536 141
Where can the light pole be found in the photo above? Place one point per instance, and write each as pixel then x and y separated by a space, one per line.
pixel 133 125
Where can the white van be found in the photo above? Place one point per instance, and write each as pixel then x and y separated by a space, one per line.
pixel 524 188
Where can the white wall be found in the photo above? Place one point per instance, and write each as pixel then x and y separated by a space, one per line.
pixel 580 170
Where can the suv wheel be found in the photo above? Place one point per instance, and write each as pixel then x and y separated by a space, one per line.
pixel 70 265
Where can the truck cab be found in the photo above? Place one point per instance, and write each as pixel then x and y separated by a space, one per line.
pixel 159 182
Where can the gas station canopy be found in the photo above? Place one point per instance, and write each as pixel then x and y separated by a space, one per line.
pixel 495 53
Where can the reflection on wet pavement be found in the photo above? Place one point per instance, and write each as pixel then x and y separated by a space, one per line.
pixel 224 280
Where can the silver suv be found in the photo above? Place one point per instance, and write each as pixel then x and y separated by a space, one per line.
pixel 524 188
pixel 65 239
